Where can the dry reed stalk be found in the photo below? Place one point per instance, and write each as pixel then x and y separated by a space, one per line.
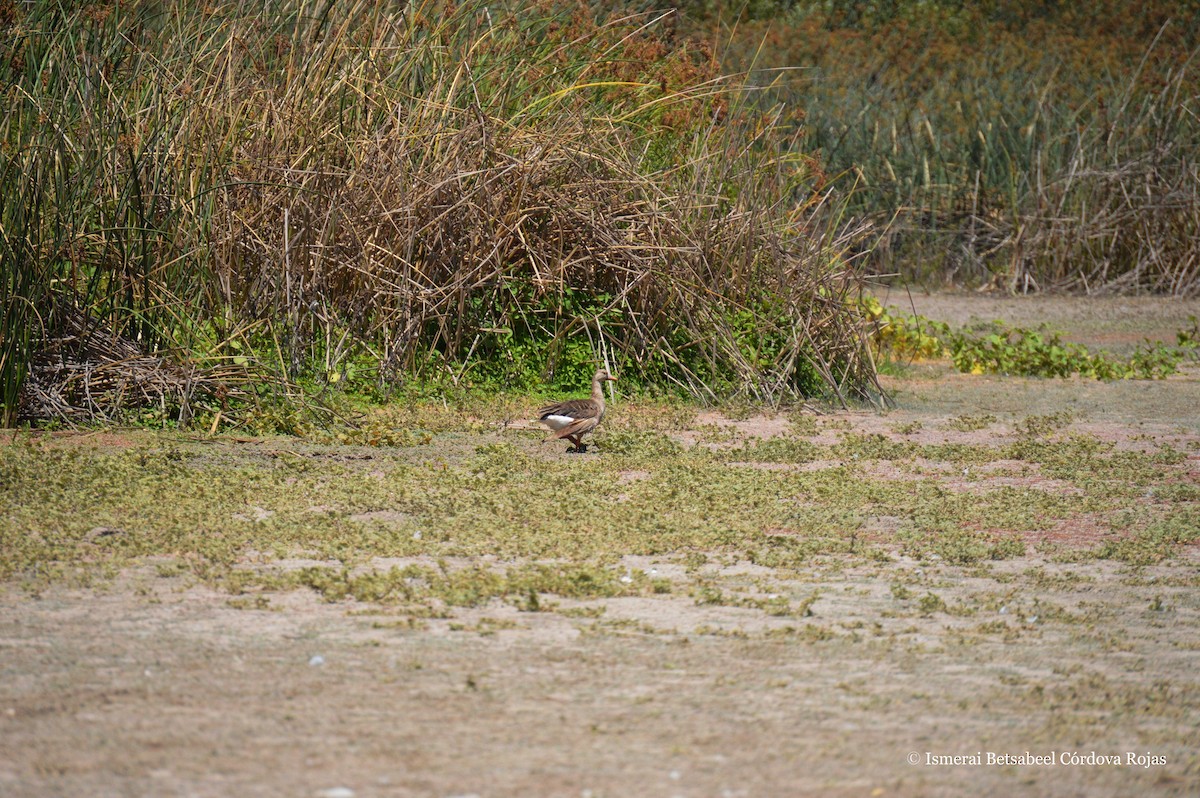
pixel 84 374
pixel 433 189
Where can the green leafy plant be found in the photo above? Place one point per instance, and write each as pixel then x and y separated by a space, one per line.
pixel 997 348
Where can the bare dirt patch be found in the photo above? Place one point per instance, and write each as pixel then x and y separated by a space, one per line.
pixel 767 606
pixel 176 691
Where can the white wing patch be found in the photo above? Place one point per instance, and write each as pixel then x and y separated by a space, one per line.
pixel 556 422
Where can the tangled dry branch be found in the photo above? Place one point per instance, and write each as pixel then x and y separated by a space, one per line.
pixel 84 374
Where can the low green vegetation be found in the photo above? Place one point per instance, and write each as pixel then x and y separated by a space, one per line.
pixel 997 348
pixel 971 423
pixel 462 506
pixel 433 589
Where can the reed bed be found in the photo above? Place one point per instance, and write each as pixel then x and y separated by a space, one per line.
pixel 1023 146
pixel 497 195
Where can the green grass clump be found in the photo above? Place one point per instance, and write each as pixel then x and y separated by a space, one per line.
pixel 643 444
pixel 775 450
pixel 962 547
pixel 466 587
pixel 971 423
pixel 1043 426
pixel 707 594
pixel 908 428
pixel 1155 541
pixel 872 446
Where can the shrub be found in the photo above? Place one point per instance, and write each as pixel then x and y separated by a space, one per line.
pixel 476 193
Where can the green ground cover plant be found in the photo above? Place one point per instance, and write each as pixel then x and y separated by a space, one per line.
pixel 285 515
pixel 997 348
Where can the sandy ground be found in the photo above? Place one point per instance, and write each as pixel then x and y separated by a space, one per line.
pixel 153 686
pixel 136 692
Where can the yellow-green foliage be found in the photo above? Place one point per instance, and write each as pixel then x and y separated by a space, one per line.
pixel 996 348
pixel 904 337
pixel 280 514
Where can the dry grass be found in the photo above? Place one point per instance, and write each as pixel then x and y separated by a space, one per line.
pixel 457 194
pixel 1020 145
pixel 88 375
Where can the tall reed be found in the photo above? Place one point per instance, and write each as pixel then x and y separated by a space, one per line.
pixel 473 193
pixel 1024 145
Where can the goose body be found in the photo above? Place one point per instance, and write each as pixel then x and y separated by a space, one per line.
pixel 574 418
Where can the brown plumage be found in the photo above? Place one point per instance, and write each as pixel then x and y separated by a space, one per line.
pixel 575 418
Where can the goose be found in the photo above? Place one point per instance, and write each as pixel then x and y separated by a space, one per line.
pixel 574 418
